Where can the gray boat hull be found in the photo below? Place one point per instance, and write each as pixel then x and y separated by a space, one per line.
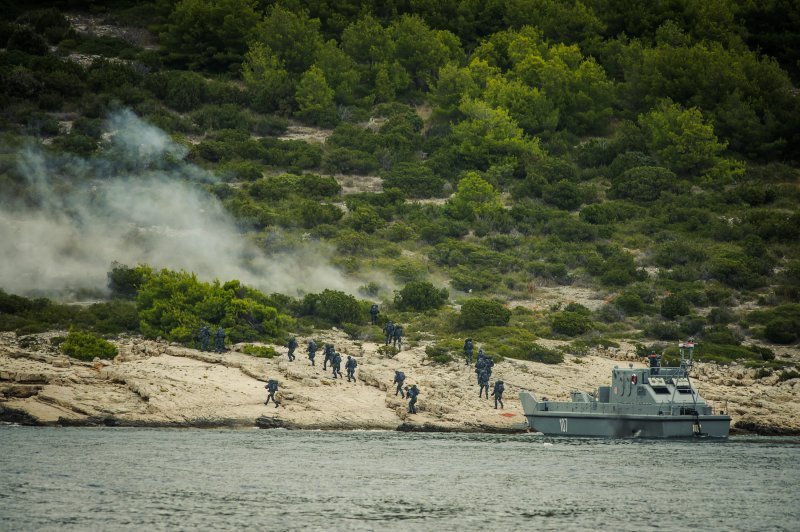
pixel 629 426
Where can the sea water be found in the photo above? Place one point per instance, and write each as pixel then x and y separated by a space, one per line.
pixel 170 479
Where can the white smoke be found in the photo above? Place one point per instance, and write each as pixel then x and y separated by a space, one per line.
pixel 137 203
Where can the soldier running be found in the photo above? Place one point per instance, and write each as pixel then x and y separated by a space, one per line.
pixel 412 393
pixel 350 366
pixel 328 351
pixel 272 387
pixel 291 345
pixel 397 337
pixel 468 348
pixel 336 365
pixel 388 330
pixel 312 350
pixel 399 378
pixel 479 364
pixel 497 392
pixel 483 380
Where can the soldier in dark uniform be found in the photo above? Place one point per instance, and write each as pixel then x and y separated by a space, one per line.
pixel 219 340
pixel 399 378
pixel 272 387
pixel 412 393
pixel 373 312
pixel 468 348
pixel 336 365
pixel 388 330
pixel 350 366
pixel 205 337
pixel 497 392
pixel 483 380
pixel 312 350
pixel 488 364
pixel 291 345
pixel 328 351
pixel 479 364
pixel 397 337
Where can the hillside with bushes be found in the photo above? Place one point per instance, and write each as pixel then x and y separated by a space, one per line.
pixel 515 149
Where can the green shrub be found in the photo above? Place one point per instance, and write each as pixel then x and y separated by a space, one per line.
pixel 105 45
pixel 174 305
pixel 721 335
pixel 226 116
pixel 49 22
pixel 565 195
pixel 347 161
pixel 420 295
pixel 609 212
pixel 241 170
pixel 763 373
pixel 387 351
pixel 398 232
pixel 782 330
pixel 416 180
pixel 571 323
pixel 86 346
pixel 366 219
pixel 181 90
pixel 259 351
pixel 408 271
pixel 468 279
pixel 124 281
pixel 630 302
pixel 476 313
pixel 539 353
pixel 439 353
pixel 270 125
pixel 663 330
pixel 644 183
pixel 334 306
pixel 788 374
pixel 25 39
pixel 673 306
pixel 104 75
pixel 293 155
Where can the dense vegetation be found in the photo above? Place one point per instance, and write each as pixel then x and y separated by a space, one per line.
pixel 647 151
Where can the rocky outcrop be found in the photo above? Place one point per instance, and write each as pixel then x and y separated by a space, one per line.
pixel 154 383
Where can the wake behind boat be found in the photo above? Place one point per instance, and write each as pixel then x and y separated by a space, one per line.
pixel 654 402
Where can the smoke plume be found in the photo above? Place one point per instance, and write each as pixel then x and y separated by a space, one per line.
pixel 138 202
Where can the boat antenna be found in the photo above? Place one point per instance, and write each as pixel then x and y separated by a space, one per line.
pixel 687 354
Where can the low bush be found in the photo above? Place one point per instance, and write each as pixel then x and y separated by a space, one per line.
pixel 476 313
pixel 539 353
pixel 673 306
pixel 347 161
pixel 440 353
pixel 788 374
pixel 334 306
pixel 571 323
pixel 644 183
pixel 419 296
pixel 782 330
pixel 86 346
pixel 416 180
pixel 259 351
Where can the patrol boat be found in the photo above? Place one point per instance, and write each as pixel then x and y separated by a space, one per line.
pixel 653 402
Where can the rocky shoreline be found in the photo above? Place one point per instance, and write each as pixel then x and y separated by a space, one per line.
pixel 161 385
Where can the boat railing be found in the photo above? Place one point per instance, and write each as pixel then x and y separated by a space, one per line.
pixel 718 408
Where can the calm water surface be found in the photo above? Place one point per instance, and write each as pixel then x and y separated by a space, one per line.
pixel 114 478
